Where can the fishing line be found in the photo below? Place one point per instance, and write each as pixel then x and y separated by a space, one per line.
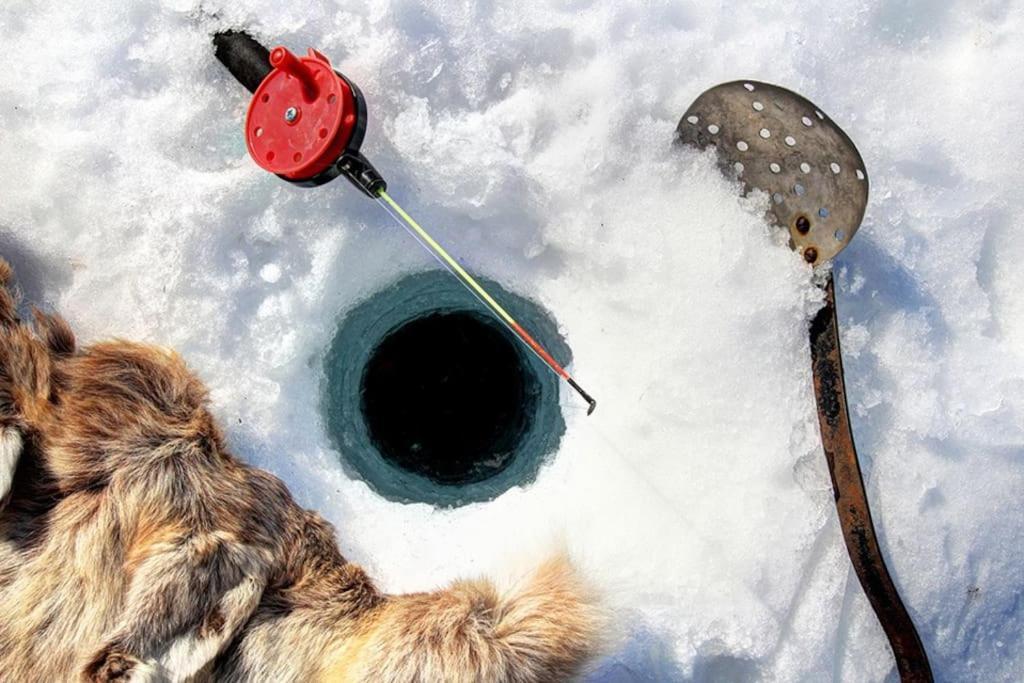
pixel 469 282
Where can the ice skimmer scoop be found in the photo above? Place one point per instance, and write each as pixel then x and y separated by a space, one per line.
pixel 780 143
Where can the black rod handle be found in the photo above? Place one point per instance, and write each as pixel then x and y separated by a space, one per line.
pixel 245 58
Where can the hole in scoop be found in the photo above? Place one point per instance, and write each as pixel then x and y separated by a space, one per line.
pixel 693 119
pixel 805 167
pixel 790 140
pixel 840 235
pixel 807 121
pixel 758 106
pixel 265 98
pixel 765 133
pixel 835 167
pixel 297 157
pixel 270 156
pixel 775 168
pixel 323 132
pixel 860 174
pixel 749 86
pixel 799 189
pixel 823 212
pixel 713 129
pixel 739 167
pixel 258 132
pixel 742 146
pixel 331 98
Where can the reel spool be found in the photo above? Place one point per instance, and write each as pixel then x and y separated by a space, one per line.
pixel 779 142
pixel 306 123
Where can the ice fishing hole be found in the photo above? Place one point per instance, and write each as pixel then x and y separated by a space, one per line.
pixel 427 398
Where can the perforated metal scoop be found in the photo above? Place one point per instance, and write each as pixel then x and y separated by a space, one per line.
pixel 777 141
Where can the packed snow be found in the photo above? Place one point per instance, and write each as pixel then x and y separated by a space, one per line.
pixel 533 138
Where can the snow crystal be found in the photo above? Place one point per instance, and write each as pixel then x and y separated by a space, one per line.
pixel 533 138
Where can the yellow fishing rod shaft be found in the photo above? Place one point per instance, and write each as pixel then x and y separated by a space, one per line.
pixel 453 266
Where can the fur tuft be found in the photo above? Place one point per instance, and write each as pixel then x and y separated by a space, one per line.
pixel 542 631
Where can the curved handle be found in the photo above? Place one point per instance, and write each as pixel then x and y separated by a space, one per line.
pixel 852 500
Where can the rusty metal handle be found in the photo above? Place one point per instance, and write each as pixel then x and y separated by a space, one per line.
pixel 851 498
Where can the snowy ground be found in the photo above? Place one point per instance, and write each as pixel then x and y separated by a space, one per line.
pixel 534 139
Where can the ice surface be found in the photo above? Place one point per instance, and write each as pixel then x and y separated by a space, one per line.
pixel 533 138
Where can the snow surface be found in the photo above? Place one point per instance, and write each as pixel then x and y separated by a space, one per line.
pixel 533 138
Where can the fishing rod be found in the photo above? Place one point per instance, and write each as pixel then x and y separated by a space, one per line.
pixel 306 124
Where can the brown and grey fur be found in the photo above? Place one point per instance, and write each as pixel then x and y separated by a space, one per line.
pixel 135 547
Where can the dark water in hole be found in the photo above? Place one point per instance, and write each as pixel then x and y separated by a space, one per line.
pixel 447 396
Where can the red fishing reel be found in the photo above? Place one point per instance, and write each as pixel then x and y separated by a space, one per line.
pixel 306 123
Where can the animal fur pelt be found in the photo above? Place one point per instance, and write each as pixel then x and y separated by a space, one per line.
pixel 135 547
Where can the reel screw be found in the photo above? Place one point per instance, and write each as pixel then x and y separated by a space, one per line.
pixel 291 114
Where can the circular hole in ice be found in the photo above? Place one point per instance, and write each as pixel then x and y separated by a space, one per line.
pixel 713 129
pixel 823 212
pixel 765 133
pixel 742 146
pixel 835 167
pixel 427 399
pixel 774 167
pixel 758 106
pixel 807 121
pixel 749 86
pixel 805 167
pixel 790 140
pixel 692 119
pixel 860 174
